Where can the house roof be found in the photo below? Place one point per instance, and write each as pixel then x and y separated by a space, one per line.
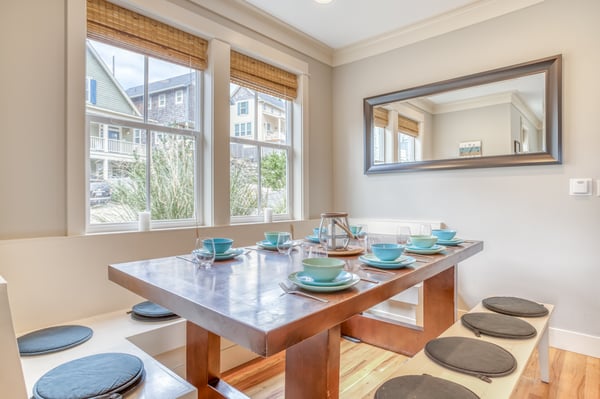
pixel 162 85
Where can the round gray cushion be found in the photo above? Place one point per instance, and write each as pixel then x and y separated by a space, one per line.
pixel 471 356
pixel 52 339
pixel 514 306
pixel 498 325
pixel 422 387
pixel 150 311
pixel 97 376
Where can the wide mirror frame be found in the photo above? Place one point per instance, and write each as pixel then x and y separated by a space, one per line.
pixel 552 153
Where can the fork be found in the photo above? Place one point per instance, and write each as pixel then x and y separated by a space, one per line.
pixel 289 290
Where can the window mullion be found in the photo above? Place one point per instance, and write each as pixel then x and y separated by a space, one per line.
pixel 148 137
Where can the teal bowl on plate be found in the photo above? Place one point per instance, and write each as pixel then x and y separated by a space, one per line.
pixel 387 251
pixel 272 236
pixel 323 269
pixel 423 241
pixel 444 234
pixel 219 245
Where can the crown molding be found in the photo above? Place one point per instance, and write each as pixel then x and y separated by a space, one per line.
pixel 250 17
pixel 457 19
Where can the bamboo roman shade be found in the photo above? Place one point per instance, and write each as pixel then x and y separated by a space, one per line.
pixel 380 117
pixel 408 126
pixel 119 26
pixel 260 76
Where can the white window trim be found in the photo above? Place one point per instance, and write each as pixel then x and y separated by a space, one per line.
pixel 182 18
pixel 162 100
pixel 179 97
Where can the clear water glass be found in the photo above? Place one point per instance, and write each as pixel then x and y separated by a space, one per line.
pixel 284 243
pixel 202 256
pixel 403 235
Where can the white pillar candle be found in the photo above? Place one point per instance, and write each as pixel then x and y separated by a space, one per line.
pixel 144 221
pixel 268 212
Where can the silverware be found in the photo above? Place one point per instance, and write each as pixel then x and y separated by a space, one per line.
pixel 289 290
pixel 368 280
pixel 372 269
pixel 186 259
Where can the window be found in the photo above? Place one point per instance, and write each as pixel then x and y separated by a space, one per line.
pixel 243 129
pixel 242 108
pixel 179 97
pixel 145 158
pixel 162 100
pixel 260 165
pixel 90 90
pixel 406 148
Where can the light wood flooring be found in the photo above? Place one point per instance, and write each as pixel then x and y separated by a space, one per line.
pixel 365 367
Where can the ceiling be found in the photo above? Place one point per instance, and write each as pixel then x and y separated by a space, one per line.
pixel 342 23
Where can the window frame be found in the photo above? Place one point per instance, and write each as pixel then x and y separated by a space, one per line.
pixel 290 150
pixel 93 115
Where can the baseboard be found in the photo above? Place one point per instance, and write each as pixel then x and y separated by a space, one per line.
pixel 572 341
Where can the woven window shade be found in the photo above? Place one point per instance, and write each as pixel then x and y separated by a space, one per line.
pixel 408 126
pixel 260 76
pixel 121 27
pixel 380 117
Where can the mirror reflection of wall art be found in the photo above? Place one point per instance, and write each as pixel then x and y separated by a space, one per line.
pixel 469 149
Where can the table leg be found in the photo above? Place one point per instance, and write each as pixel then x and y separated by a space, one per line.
pixel 439 313
pixel 544 356
pixel 312 367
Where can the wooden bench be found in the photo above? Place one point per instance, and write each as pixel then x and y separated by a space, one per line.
pixel 500 387
pixel 118 332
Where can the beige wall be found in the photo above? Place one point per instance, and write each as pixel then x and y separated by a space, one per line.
pixel 539 241
pixel 53 277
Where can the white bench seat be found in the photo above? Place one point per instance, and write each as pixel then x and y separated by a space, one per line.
pixel 500 387
pixel 117 332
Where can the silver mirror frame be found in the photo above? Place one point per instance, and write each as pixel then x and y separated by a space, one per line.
pixel 551 66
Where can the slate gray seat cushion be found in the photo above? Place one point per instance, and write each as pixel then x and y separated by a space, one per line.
pixel 471 356
pixel 100 376
pixel 422 387
pixel 498 325
pixel 514 306
pixel 53 339
pixel 150 311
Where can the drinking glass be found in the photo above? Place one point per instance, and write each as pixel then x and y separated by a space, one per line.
pixel 321 251
pixel 403 235
pixel 363 236
pixel 284 243
pixel 203 257
pixel 425 229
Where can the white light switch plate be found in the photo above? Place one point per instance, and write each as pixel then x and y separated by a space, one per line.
pixel 581 186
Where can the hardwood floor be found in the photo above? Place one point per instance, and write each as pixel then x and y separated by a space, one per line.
pixel 365 367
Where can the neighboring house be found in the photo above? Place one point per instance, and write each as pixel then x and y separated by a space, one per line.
pixel 171 101
pixel 110 145
pixel 247 106
pixel 269 111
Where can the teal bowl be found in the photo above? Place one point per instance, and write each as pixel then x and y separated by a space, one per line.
pixel 221 245
pixel 323 269
pixel 444 234
pixel 272 236
pixel 423 241
pixel 387 251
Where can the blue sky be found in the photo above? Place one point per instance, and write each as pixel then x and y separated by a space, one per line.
pixel 129 66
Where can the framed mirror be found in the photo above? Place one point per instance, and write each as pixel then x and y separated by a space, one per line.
pixel 504 117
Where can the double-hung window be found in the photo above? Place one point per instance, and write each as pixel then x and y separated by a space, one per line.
pixel 261 147
pixel 141 158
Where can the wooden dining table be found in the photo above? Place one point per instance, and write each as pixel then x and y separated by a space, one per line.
pixel 240 299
